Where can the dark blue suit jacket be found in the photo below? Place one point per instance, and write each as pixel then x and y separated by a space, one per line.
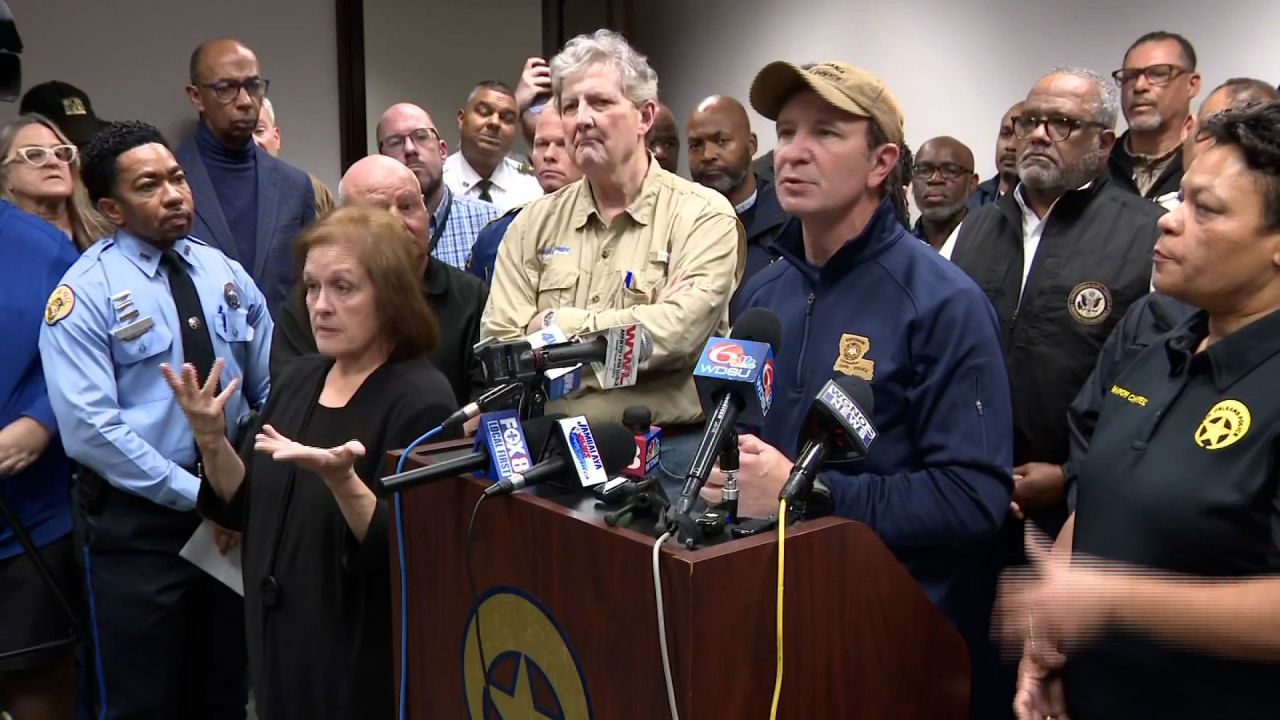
pixel 286 204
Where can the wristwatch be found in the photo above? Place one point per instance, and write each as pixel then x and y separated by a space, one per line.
pixel 548 319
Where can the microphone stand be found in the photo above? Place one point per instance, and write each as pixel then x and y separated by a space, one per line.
pixel 729 464
pixel 533 401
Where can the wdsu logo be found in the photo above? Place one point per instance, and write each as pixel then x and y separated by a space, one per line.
pixel 727 359
pixel 532 671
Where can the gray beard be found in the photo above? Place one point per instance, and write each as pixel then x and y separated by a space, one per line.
pixel 1062 179
pixel 1147 123
pixel 724 184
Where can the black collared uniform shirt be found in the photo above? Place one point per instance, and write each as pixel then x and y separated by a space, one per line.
pixel 1182 477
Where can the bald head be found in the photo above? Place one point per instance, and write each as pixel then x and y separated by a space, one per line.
pixel 943 179
pixel 664 139
pixel 1233 94
pixel 227 90
pixel 1007 148
pixel 383 182
pixel 407 133
pixel 209 51
pixel 721 146
pixel 958 152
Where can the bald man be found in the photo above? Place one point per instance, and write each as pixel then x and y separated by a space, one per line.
pixel 942 180
pixel 721 145
pixel 664 140
pixel 455 297
pixel 554 167
pixel 248 204
pixel 407 133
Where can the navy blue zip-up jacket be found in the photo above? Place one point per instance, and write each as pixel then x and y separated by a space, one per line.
pixel 936 484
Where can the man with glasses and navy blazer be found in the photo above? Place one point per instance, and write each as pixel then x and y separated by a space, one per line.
pixel 248 204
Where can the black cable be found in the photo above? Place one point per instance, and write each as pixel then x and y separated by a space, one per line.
pixel 475 601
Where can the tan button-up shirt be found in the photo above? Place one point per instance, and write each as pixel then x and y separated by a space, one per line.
pixel 559 254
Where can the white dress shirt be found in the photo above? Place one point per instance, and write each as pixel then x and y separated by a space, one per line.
pixel 1032 230
pixel 509 187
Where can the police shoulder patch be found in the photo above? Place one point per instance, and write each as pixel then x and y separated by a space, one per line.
pixel 61 302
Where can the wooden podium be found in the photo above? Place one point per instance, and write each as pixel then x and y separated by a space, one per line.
pixel 569 623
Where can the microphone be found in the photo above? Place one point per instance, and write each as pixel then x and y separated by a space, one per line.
pixel 619 352
pixel 480 404
pixel 590 453
pixel 501 450
pixel 559 382
pixel 838 427
pixel 648 439
pixel 734 378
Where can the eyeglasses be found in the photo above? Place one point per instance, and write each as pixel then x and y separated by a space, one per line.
pixel 1059 127
pixel 228 90
pixel 1156 75
pixel 41 156
pixel 949 171
pixel 420 137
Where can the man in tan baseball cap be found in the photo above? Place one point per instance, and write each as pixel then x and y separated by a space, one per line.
pixel 866 302
pixel 848 88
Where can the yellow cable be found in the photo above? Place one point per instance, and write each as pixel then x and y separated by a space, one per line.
pixel 782 537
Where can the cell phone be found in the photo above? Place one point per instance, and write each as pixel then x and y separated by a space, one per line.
pixel 753 526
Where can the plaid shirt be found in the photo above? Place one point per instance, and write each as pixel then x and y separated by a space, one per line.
pixel 466 217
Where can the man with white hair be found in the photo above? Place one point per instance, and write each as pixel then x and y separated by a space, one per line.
pixel 1060 258
pixel 632 243
pixel 266 135
pixel 455 297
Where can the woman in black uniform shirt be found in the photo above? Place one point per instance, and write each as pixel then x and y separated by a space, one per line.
pixel 316 567
pixel 1170 607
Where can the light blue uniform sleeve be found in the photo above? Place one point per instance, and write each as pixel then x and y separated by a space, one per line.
pixel 76 354
pixel 257 370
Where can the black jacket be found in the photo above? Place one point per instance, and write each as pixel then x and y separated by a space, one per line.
pixel 457 298
pixel 1144 324
pixel 1094 259
pixel 1120 165
pixel 762 222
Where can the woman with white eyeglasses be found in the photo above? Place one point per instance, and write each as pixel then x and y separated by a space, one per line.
pixel 40 173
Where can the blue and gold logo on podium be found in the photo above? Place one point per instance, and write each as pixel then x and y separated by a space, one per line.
pixel 532 671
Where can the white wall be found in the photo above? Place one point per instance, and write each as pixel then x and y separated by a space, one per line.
pixel 432 52
pixel 131 58
pixel 954 65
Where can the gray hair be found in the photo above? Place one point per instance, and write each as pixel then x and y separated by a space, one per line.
pixel 270 109
pixel 1107 109
pixel 639 81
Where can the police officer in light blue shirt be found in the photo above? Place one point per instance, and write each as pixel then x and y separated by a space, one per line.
pixel 169 639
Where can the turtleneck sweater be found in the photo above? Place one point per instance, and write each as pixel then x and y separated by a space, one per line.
pixel 234 174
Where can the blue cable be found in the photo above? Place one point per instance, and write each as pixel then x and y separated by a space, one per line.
pixel 404 577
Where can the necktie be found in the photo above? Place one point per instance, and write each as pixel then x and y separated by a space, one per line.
pixel 484 186
pixel 197 347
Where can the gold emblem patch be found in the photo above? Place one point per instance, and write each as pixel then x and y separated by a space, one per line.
pixel 1226 422
pixel 852 359
pixel 61 301
pixel 74 106
pixel 1089 303
pixel 532 671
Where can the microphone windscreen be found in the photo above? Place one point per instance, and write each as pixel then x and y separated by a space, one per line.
pixel 858 390
pixel 616 445
pixel 759 325
pixel 538 430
